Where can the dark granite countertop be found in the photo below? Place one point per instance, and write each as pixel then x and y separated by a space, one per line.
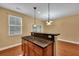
pixel 47 33
pixel 38 41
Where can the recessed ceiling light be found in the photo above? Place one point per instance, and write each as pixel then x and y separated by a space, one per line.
pixel 38 12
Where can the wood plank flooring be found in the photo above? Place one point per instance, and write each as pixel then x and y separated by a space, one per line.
pixel 15 51
pixel 67 49
pixel 63 49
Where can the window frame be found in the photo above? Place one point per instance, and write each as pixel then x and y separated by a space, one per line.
pixel 9 25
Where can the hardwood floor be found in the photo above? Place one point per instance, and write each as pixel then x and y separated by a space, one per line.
pixel 67 49
pixel 63 49
pixel 15 51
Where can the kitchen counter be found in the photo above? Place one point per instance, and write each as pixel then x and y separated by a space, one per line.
pixel 38 41
pixel 46 33
pixel 38 44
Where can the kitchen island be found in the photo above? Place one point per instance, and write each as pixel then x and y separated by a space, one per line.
pixel 38 44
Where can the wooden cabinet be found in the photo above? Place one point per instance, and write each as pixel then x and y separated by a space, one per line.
pixel 31 49
pixel 38 44
pixel 49 50
pixel 25 47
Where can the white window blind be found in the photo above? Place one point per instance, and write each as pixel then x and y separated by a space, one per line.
pixel 15 25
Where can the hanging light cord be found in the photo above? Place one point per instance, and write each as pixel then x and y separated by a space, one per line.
pixel 34 15
pixel 48 12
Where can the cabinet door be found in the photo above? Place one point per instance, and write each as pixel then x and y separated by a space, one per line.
pixel 31 52
pixel 26 48
pixel 31 45
pixel 48 51
pixel 35 50
pixel 38 50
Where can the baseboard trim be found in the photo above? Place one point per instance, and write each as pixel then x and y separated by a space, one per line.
pixel 69 41
pixel 11 46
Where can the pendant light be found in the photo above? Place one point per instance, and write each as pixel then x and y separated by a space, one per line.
pixel 34 25
pixel 49 21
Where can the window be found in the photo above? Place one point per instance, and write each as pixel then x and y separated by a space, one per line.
pixel 15 25
pixel 38 28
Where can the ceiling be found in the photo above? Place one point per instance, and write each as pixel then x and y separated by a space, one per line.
pixel 57 10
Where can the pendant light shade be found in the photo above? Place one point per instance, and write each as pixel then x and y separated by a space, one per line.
pixel 34 25
pixel 49 22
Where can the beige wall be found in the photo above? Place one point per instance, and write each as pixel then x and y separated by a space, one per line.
pixel 68 27
pixel 5 39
